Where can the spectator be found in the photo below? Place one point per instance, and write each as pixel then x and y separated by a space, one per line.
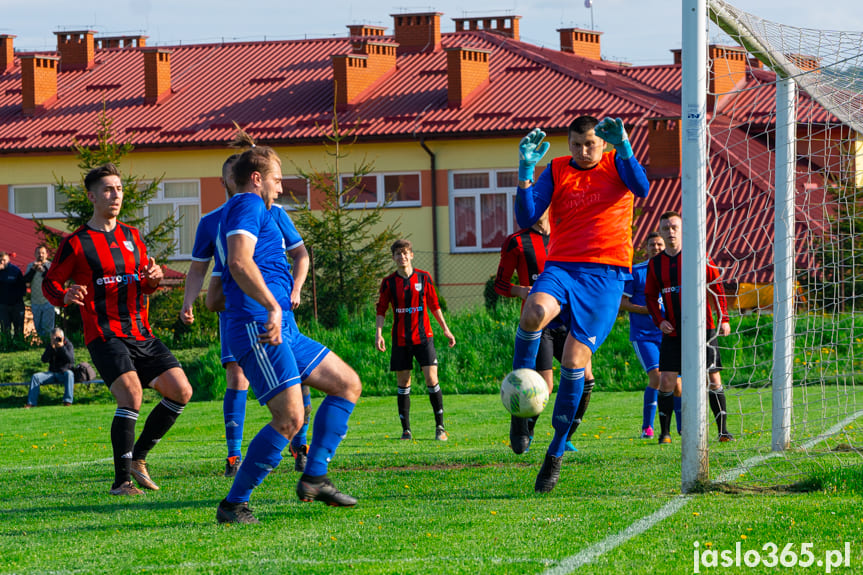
pixel 60 357
pixel 12 289
pixel 42 309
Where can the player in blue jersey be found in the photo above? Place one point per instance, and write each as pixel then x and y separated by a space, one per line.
pixel 644 335
pixel 237 386
pixel 274 355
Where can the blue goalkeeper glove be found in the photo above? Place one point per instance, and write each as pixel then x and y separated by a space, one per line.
pixel 613 132
pixel 531 149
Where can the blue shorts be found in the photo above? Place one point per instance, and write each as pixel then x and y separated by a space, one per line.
pixel 589 301
pixel 270 369
pixel 307 352
pixel 647 352
pixel 227 356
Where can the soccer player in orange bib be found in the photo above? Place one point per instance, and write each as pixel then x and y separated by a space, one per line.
pixel 590 194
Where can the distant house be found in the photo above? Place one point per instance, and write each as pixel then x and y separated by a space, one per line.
pixel 439 114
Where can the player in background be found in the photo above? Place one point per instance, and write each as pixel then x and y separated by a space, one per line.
pixel 645 336
pixel 590 194
pixel 524 254
pixel 237 386
pixel 111 277
pixel 264 338
pixel 412 295
pixel 664 280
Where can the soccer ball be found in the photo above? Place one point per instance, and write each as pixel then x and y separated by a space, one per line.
pixel 524 393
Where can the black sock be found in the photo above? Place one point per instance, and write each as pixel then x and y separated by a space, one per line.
pixel 531 423
pixel 665 407
pixel 404 403
pixel 157 425
pixel 582 407
pixel 436 399
pixel 717 406
pixel 122 440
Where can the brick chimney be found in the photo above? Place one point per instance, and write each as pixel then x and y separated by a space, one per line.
pixel 38 82
pixel 417 32
pixel 108 42
pixel 157 74
pixel 580 42
pixel 805 62
pixel 77 49
pixel 726 67
pixel 7 53
pixel 370 61
pixel 663 139
pixel 467 72
pixel 503 25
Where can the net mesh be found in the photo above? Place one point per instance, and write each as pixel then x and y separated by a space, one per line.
pixel 827 411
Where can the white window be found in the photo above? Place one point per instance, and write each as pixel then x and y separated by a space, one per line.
pixel 401 190
pixel 39 201
pixel 295 192
pixel 481 211
pixel 181 198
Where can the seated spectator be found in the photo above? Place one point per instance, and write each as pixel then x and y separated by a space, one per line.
pixel 60 357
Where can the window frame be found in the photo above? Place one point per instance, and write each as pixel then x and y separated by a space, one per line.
pixel 51 191
pixel 476 194
pixel 381 190
pixel 160 199
pixel 305 202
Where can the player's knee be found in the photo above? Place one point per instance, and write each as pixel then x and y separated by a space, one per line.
pixel 352 387
pixel 533 316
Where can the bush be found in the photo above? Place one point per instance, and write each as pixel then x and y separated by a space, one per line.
pixel 164 314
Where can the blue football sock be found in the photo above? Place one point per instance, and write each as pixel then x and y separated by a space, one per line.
pixel 263 455
pixel 649 413
pixel 234 409
pixel 301 438
pixel 330 427
pixel 677 414
pixel 526 348
pixel 568 397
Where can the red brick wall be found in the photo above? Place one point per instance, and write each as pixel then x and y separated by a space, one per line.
pixel 663 138
pixel 157 75
pixel 467 70
pixel 353 73
pixel 580 42
pixel 417 31
pixel 77 50
pixel 212 194
pixel 38 82
pixel 7 52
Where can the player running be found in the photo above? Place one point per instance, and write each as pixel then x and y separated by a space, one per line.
pixel 524 254
pixel 412 295
pixel 111 277
pixel 237 386
pixel 590 194
pixel 664 280
pixel 274 355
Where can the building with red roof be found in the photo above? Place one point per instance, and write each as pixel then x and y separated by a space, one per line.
pixel 438 113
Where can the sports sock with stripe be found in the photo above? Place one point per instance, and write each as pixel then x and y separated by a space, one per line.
pixel 122 441
pixel 582 407
pixel 157 425
pixel 568 397
pixel 665 405
pixel 678 414
pixel 330 427
pixel 526 348
pixel 263 455
pixel 403 399
pixel 436 399
pixel 718 407
pixel 234 410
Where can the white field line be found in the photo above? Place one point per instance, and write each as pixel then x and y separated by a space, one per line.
pixel 588 555
pixel 55 465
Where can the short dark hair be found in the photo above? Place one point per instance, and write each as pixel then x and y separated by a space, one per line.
pixel 652 235
pixel 229 162
pixel 582 125
pixel 99 172
pixel 400 245
pixel 669 214
pixel 258 159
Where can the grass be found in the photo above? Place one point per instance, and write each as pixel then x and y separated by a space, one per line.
pixel 465 506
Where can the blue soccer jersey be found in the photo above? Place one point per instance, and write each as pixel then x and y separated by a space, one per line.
pixel 247 214
pixel 641 326
pixel 205 236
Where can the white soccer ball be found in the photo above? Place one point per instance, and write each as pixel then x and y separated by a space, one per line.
pixel 524 393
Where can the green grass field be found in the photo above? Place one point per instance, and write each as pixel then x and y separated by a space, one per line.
pixel 465 506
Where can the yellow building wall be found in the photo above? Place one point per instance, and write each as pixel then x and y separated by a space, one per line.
pixel 460 277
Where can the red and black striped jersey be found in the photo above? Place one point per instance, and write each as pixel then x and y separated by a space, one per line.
pixel 664 278
pixel 412 299
pixel 110 265
pixel 524 253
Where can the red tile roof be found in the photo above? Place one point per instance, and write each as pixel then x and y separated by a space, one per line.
pixel 18 238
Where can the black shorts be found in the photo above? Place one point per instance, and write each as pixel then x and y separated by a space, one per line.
pixel 670 353
pixel 550 347
pixel 402 358
pixel 115 356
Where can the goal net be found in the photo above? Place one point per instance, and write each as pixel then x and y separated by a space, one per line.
pixel 767 72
